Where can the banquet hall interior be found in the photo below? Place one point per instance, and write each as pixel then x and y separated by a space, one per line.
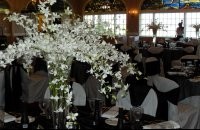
pixel 160 38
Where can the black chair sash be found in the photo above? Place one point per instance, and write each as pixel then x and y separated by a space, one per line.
pixel 13 88
pixel 163 98
pixel 138 90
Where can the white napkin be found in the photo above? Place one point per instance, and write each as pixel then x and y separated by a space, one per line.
pixel 111 113
pixel 9 118
pixel 177 73
pixel 163 125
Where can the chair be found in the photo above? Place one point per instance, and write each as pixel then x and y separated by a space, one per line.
pixel 79 95
pixel 158 53
pixel 167 91
pixel 92 87
pixel 190 60
pixel 155 51
pixel 139 94
pixel 34 86
pixel 13 88
pixel 188 50
pixel 186 113
pixel 182 112
pixel 152 66
pixel 187 57
pixel 2 89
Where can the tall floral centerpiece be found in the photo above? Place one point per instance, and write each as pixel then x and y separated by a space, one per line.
pixel 59 45
pixel 196 27
pixel 154 26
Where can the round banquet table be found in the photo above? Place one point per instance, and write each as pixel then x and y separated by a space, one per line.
pixel 85 121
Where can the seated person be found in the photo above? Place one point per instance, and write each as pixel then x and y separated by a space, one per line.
pixel 35 85
pixel 79 72
pixel 92 87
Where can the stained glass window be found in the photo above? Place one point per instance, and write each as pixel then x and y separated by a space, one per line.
pixel 170 4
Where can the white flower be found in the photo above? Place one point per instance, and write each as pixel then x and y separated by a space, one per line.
pixel 52 2
pixel 59 45
pixel 117 85
pixel 68 11
pixel 62 87
pixel 72 116
pixel 118 75
pixel 59 110
pixel 55 98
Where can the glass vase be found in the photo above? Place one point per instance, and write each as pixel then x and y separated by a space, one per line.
pixel 58 120
pixel 154 37
pixel 154 40
pixel 59 117
pixel 197 34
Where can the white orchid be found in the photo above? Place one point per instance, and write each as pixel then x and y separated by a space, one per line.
pixel 59 44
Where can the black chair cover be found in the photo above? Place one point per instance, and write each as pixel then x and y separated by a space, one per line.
pixel 13 92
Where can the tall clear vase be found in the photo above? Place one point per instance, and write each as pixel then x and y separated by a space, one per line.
pixel 59 117
pixel 58 120
pixel 154 37
pixel 154 40
pixel 197 34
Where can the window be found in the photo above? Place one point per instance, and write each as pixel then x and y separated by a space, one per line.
pixel 191 18
pixel 186 10
pixel 145 19
pixel 117 22
pixel 110 11
pixel 170 20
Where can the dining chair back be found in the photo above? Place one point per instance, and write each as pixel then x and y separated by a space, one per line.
pixel 79 95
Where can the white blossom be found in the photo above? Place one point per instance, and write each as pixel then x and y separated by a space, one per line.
pixel 60 44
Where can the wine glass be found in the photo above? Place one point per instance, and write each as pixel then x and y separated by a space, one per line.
pixel 2 114
pixel 136 113
pixel 44 106
pixel 95 105
pixel 92 105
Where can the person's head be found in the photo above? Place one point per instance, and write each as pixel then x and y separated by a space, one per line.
pixel 180 24
pixel 40 65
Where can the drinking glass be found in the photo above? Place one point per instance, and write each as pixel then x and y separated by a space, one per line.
pixel 92 104
pixel 136 113
pixel 2 117
pixel 95 105
pixel 45 106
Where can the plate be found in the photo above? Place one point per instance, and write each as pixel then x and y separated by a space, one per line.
pixel 112 121
pixel 31 119
pixel 177 67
